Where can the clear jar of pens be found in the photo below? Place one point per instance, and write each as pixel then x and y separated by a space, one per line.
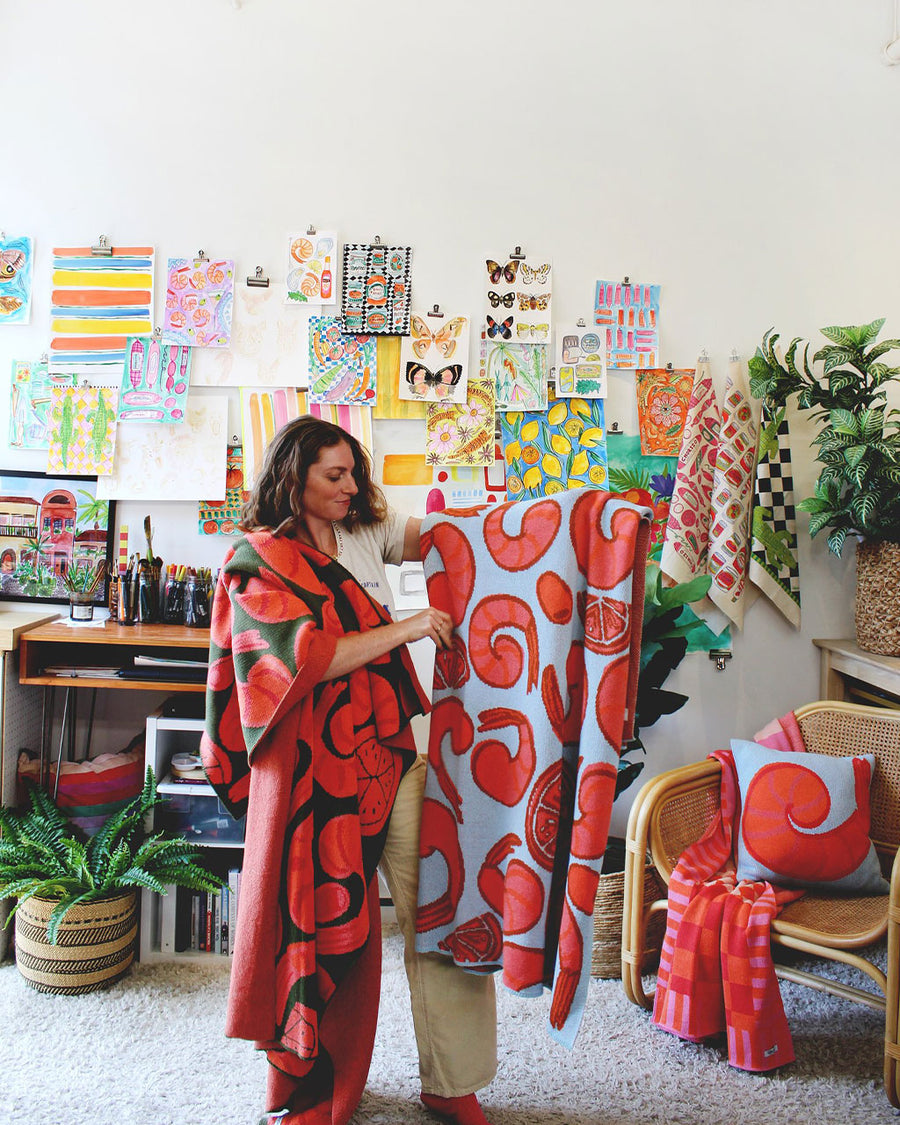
pixel 186 596
pixel 196 600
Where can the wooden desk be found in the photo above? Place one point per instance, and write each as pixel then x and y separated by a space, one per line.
pixel 846 671
pixel 107 645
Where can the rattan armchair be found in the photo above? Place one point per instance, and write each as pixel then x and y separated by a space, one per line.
pixel 674 809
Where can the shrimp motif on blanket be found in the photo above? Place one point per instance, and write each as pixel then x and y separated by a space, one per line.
pixel 531 704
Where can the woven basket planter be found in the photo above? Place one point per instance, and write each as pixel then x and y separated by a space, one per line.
pixel 94 944
pixel 878 598
pixel 606 954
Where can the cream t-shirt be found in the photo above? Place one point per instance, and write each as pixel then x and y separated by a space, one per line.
pixel 365 550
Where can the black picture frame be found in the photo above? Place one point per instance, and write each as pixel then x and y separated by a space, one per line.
pixel 63 515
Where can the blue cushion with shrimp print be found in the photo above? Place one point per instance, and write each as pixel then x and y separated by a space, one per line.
pixel 804 820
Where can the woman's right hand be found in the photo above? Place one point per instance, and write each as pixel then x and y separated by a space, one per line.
pixel 431 622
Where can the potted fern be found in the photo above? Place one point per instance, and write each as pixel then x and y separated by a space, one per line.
pixel 857 492
pixel 75 895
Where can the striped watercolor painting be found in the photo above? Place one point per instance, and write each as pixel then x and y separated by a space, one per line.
pixel 96 303
pixel 264 412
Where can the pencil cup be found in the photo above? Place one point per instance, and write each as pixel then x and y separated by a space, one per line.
pixel 173 602
pixel 81 607
pixel 124 615
pixel 148 599
pixel 196 603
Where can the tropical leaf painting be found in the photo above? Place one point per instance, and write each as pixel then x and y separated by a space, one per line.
pixel 643 480
pixel 82 430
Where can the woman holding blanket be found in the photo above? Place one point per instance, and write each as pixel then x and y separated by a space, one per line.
pixel 310 694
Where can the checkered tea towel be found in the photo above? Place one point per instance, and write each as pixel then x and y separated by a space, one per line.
pixel 774 567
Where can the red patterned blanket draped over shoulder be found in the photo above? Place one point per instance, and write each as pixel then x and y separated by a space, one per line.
pixel 315 766
pixel 530 707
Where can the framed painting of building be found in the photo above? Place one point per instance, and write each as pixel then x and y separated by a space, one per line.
pixel 49 525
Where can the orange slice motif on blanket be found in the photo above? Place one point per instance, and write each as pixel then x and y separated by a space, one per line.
pixel 542 819
pixel 607 624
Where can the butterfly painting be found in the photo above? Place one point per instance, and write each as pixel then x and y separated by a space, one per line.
pixel 425 374
pixel 504 299
pixel 443 339
pixel 538 275
pixel 438 385
pixel 503 329
pixel 498 273
pixel 533 331
pixel 539 301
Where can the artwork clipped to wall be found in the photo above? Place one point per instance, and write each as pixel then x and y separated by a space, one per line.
pixel 97 302
pixel 343 365
pixel 221 517
pixel 30 399
pixel 663 395
pixel 630 314
pixel 16 267
pixel 549 451
pixel 82 430
pixel 463 433
pixel 434 358
pixel 155 381
pixel 199 302
pixel 375 288
pixel 580 361
pixel 311 266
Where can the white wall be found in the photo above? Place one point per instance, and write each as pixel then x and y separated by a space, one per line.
pixel 741 155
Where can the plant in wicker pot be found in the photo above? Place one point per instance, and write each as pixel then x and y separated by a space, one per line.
pixel 664 644
pixel 75 895
pixel 857 492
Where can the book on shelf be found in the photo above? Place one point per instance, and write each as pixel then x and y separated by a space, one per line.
pixel 223 918
pixel 81 671
pixel 217 923
pixel 145 660
pixel 234 877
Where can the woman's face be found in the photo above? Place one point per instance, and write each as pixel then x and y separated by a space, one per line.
pixel 330 486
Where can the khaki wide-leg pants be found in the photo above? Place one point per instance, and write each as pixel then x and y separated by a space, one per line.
pixel 454 1012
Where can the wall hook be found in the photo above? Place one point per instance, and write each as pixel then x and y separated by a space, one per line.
pixel 103 248
pixel 258 279
pixel 435 311
pixel 517 254
pixel 721 657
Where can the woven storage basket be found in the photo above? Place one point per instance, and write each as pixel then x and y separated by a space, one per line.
pixel 606 955
pixel 94 944
pixel 878 598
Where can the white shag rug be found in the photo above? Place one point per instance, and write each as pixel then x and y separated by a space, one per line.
pixel 150 1051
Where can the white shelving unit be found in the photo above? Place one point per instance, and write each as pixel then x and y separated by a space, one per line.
pixel 205 821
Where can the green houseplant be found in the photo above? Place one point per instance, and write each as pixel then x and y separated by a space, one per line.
pixel 857 492
pixel 60 878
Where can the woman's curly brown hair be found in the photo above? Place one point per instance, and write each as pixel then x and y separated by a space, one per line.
pixel 275 502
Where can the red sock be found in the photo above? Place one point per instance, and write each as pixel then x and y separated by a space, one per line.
pixel 457 1111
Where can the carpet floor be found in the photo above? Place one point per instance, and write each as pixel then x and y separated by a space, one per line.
pixel 150 1051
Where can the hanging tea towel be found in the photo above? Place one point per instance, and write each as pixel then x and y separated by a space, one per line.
pixel 774 567
pixel 729 545
pixel 687 530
